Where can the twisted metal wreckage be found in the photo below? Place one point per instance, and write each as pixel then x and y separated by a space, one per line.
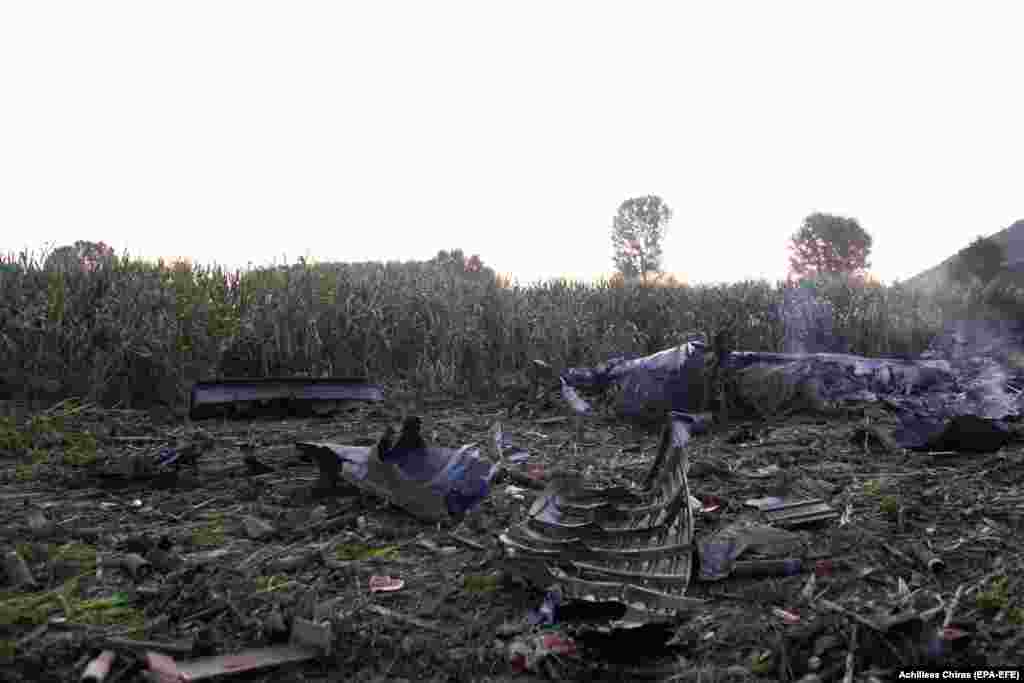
pixel 635 548
pixel 629 553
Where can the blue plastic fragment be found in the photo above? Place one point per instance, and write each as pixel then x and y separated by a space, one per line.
pixel 167 456
pixel 547 613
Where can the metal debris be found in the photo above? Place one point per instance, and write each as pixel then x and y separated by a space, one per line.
pixel 308 641
pixel 719 552
pixel 290 395
pixel 962 433
pixel 957 403
pixel 792 513
pixel 651 385
pixel 430 482
pixel 632 550
pixel 166 670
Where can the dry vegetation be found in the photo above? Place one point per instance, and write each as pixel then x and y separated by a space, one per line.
pixel 130 333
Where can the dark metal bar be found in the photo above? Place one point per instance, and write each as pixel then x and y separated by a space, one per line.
pixel 218 397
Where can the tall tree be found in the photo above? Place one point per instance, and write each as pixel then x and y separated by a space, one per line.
pixel 982 259
pixel 637 231
pixel 829 244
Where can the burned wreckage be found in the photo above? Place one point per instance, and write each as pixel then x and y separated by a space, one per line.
pixel 961 394
pixel 634 552
pixel 623 558
pixel 632 549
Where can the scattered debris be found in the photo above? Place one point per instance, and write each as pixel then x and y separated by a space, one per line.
pixel 138 646
pixel 709 504
pixel 385 584
pixel 962 433
pixel 432 483
pixel 928 559
pixel 547 613
pixel 762 568
pixel 719 552
pixel 526 653
pixel 650 386
pixel 787 616
pixel 185 454
pixel 793 513
pixel 578 405
pixel 308 641
pixel 516 492
pixel 99 668
pixel 287 395
pixel 166 670
pixel 766 472
pixel 764 503
pixel 244 557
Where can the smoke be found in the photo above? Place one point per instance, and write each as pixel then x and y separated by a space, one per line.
pixel 808 323
pixel 983 355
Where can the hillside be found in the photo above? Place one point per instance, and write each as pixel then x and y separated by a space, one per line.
pixel 1011 238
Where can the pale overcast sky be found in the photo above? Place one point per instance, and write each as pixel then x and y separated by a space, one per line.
pixel 249 131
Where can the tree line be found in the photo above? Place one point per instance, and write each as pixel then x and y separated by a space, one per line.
pixel 824 243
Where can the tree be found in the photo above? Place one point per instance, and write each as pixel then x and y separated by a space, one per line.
pixel 637 231
pixel 82 254
pixel 829 244
pixel 982 259
pixel 460 265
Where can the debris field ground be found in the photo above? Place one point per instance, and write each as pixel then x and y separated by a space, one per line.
pixel 243 554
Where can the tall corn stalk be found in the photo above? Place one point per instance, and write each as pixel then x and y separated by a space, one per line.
pixel 115 332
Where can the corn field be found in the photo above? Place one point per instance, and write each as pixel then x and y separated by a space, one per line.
pixel 129 333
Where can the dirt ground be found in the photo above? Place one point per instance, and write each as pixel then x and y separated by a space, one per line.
pixel 243 554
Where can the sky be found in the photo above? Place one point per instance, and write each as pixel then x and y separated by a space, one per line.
pixel 259 132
